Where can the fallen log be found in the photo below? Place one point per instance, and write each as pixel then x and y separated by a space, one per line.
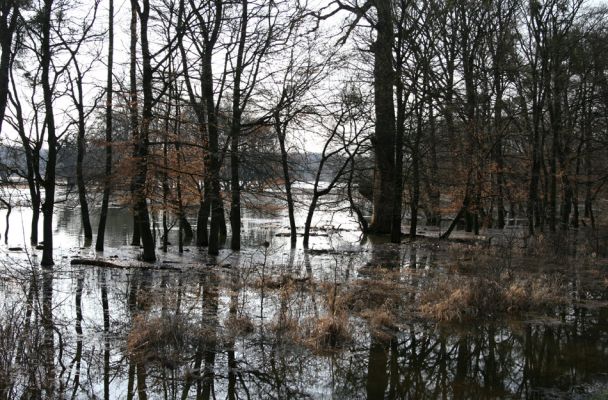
pixel 107 264
pixel 96 263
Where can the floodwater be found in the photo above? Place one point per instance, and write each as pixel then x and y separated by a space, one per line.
pixel 257 324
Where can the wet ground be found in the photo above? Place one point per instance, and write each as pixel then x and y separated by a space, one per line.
pixel 352 318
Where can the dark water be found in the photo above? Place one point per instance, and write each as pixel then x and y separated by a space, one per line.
pixel 237 326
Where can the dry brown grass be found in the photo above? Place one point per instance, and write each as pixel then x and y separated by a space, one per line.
pixel 370 294
pixel 382 322
pixel 458 298
pixel 162 339
pixel 327 333
pixel 240 325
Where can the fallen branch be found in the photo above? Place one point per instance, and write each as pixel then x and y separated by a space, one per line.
pixel 97 263
pixel 108 264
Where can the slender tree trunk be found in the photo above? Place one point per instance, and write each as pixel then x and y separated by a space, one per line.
pixel 32 157
pixel 280 131
pixel 103 215
pixel 588 161
pixel 497 153
pixel 416 170
pixel 214 162
pixel 349 192
pixel 165 197
pixel 434 217
pixel 555 128
pixel 82 190
pixel 49 178
pixel 202 236
pixel 133 112
pixel 8 24
pixel 165 176
pixel 141 206
pixel 235 131
pixel 9 208
pixel 533 198
pixel 308 223
pixel 399 134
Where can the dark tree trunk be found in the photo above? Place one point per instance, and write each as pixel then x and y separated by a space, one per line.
pixel 353 206
pixel 235 131
pixel 32 157
pixel 384 136
pixel 433 218
pixel 399 134
pixel 8 24
pixel 9 208
pixel 202 236
pixel 141 207
pixel 103 215
pixel 497 150
pixel 133 112
pixel 82 190
pixel 307 224
pixel 49 178
pixel 280 131
pixel 217 210
pixel 415 198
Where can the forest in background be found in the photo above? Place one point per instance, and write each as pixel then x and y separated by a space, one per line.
pixel 480 111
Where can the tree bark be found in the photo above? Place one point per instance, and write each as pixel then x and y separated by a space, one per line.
pixel 82 190
pixel 49 177
pixel 103 215
pixel 280 131
pixel 384 136
pixel 235 130
pixel 141 207
pixel 8 25
pixel 133 111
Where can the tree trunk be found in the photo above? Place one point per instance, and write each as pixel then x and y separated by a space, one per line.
pixel 415 198
pixel 32 157
pixel 400 132
pixel 214 161
pixel 133 112
pixel 141 207
pixel 202 237
pixel 384 136
pixel 311 211
pixel 280 131
pixel 235 130
pixel 103 215
pixel 82 190
pixel 7 28
pixel 49 177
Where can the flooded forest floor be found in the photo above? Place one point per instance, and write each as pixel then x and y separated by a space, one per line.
pixel 349 318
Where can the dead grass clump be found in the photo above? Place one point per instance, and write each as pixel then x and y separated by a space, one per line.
pixel 278 282
pixel 461 298
pixel 533 294
pixel 382 322
pixel 464 298
pixel 327 333
pixel 239 325
pixel 285 328
pixel 370 295
pixel 161 339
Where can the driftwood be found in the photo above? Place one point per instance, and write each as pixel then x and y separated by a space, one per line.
pixel 109 264
pixel 96 263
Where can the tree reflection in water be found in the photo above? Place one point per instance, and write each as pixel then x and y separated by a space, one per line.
pixel 80 333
